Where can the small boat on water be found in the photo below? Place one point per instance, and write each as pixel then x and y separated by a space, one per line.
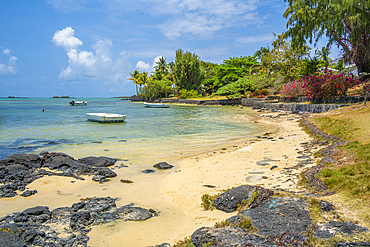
pixel 77 103
pixel 155 105
pixel 106 117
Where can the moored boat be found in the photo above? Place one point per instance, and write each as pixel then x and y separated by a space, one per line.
pixel 155 105
pixel 77 103
pixel 106 117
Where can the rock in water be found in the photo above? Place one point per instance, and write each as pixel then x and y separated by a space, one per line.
pixel 163 166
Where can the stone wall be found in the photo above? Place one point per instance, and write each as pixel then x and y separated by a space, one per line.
pixel 269 103
pixel 297 107
pixel 332 100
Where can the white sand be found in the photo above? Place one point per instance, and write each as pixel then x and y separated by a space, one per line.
pixel 177 193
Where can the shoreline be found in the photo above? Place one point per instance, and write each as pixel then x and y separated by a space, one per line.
pixel 177 193
pixel 225 169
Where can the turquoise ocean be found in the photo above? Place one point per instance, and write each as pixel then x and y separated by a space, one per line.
pixel 148 135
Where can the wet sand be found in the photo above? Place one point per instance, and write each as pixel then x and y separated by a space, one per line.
pixel 177 193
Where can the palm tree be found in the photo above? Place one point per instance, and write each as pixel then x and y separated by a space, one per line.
pixel 143 79
pixel 134 78
pixel 161 65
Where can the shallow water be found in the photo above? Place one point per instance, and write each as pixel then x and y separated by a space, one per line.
pixel 148 135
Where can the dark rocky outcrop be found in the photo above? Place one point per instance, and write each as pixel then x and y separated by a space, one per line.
pixel 327 230
pixel 98 161
pixel 226 236
pixel 353 244
pixel 38 226
pixel 19 170
pixel 133 213
pixel 278 215
pixel 230 200
pixel 274 222
pixel 163 166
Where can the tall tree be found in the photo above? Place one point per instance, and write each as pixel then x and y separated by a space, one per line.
pixel 345 22
pixel 134 78
pixel 187 71
pixel 161 69
pixel 233 69
pixel 143 79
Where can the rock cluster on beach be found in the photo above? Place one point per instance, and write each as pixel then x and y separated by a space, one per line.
pixel 38 226
pixel 274 221
pixel 19 170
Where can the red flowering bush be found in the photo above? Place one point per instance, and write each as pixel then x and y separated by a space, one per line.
pixel 293 89
pixel 325 85
pixel 367 87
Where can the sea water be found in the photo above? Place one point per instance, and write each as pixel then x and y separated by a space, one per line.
pixel 148 135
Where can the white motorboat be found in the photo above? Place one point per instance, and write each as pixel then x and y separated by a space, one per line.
pixel 155 105
pixel 77 103
pixel 106 117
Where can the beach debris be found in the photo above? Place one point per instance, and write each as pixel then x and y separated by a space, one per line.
pixel 209 186
pixel 273 167
pixel 163 166
pixel 148 171
pixel 126 181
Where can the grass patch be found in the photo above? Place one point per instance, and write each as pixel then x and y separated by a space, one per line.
pixel 245 223
pixel 246 203
pixel 337 238
pixel 208 201
pixel 187 242
pixel 349 176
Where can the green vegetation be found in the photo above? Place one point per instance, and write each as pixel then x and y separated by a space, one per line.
pixel 184 243
pixel 187 71
pixel 350 175
pixel 208 201
pixel 345 23
pixel 245 223
pixel 279 67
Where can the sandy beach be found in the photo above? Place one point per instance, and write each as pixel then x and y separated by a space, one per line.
pixel 177 193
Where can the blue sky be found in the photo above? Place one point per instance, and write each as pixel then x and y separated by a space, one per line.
pixel 88 47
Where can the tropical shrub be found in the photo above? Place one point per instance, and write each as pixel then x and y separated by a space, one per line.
pixel 325 85
pixel 157 89
pixel 252 85
pixel 293 89
pixel 186 94
pixel 367 87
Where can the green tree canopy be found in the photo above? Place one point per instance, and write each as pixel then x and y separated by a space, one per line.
pixel 233 69
pixel 187 71
pixel 345 22
pixel 157 89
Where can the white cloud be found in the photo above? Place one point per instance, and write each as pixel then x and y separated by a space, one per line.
pixel 257 39
pixel 205 17
pixel 143 66
pixel 84 64
pixel 176 18
pixel 9 66
pixel 6 51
